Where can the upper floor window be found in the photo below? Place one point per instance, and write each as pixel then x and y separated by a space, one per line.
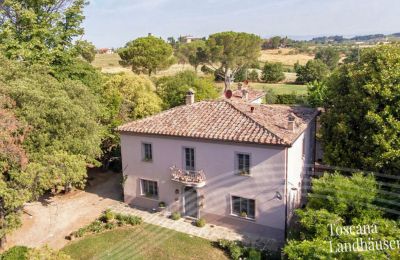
pixel 189 159
pixel 243 207
pixel 147 152
pixel 243 163
pixel 149 188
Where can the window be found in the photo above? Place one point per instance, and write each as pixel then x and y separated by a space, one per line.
pixel 243 207
pixel 149 188
pixel 243 163
pixel 189 159
pixel 147 152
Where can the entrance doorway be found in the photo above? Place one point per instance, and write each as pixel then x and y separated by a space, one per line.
pixel 191 205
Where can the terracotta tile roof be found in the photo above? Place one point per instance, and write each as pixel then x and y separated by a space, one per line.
pixel 227 121
pixel 253 94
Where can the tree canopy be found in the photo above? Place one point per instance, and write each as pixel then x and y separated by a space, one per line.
pixel 314 70
pixel 328 55
pixel 173 89
pixel 195 53
pixel 361 126
pixel 147 55
pixel 338 201
pixel 273 72
pixel 87 50
pixel 231 51
pixel 40 31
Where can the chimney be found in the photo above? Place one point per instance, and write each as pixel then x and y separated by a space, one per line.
pixel 291 122
pixel 252 109
pixel 149 34
pixel 240 86
pixel 190 97
pixel 245 94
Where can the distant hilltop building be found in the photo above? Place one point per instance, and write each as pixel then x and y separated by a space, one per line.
pixel 105 51
pixel 188 39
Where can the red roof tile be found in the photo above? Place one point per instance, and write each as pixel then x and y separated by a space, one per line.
pixel 227 121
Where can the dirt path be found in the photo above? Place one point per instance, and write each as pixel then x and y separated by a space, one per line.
pixel 50 220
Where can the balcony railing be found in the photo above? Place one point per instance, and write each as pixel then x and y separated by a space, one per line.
pixel 189 178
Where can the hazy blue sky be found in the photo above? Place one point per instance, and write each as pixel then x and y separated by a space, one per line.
pixel 111 23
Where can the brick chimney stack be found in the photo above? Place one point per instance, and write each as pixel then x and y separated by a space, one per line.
pixel 245 94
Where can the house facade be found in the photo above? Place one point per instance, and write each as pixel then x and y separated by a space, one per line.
pixel 235 164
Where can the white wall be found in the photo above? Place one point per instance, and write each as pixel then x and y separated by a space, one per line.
pixel 218 162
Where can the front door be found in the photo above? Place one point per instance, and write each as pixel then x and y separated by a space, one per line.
pixel 190 196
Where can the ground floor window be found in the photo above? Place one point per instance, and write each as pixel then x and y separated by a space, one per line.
pixel 243 207
pixel 149 188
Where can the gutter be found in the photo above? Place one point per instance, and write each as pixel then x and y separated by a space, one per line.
pixel 286 193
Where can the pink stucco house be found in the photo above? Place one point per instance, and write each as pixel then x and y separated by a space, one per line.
pixel 236 164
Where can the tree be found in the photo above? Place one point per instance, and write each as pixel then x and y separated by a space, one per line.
pixel 194 53
pixel 173 89
pixel 13 158
pixel 329 55
pixel 341 201
pixel 40 31
pixel 361 126
pixel 316 93
pixel 147 55
pixel 87 50
pixel 273 43
pixel 273 72
pixel 232 51
pixel 314 70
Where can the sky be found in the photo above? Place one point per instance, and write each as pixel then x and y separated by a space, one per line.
pixel 112 23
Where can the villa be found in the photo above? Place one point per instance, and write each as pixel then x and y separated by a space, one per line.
pixel 236 164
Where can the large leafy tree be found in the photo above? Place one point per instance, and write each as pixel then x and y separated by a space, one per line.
pixel 13 158
pixel 231 51
pixel 328 55
pixel 86 50
pixel 60 123
pixel 173 89
pixel 147 55
pixel 361 126
pixel 341 201
pixel 194 53
pixel 314 70
pixel 40 31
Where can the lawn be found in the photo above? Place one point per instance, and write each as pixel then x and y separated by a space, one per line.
pixel 276 88
pixel 143 242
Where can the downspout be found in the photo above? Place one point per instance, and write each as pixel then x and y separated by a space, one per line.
pixel 286 193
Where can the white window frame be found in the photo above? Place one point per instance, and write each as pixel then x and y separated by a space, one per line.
pixel 142 190
pixel 236 215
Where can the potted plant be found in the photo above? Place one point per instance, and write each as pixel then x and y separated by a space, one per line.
pixel 161 205
pixel 243 214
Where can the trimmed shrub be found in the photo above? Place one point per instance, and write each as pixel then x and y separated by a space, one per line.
pixel 108 216
pixel 175 215
pixel 133 220
pixel 254 254
pixel 15 253
pixel 201 222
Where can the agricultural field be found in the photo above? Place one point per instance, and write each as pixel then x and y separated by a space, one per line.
pixel 284 56
pixel 143 242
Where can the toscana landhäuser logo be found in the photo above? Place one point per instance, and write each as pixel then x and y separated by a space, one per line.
pixel 363 242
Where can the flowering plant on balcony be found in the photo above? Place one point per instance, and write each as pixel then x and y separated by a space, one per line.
pixel 187 176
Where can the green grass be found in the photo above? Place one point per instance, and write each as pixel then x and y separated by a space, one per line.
pixel 143 242
pixel 277 88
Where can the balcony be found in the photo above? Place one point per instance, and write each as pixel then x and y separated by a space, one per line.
pixel 189 178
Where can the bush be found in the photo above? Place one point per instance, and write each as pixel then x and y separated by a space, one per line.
pixel 201 222
pixel 314 70
pixel 15 253
pixel 175 215
pixel 108 216
pixel 96 227
pixel 253 76
pixel 133 220
pixel 273 72
pixel 291 99
pixel 254 254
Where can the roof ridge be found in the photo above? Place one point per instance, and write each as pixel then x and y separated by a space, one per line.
pixel 254 121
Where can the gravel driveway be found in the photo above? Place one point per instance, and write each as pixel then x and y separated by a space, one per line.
pixel 51 219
